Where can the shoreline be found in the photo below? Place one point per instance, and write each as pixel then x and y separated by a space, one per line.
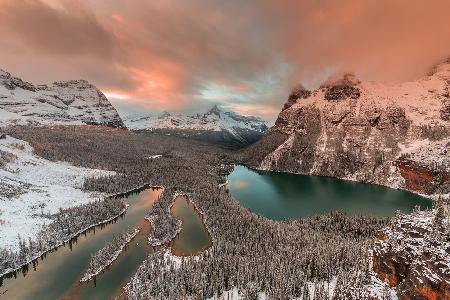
pixel 10 273
pixel 393 187
pixel 202 218
pixel 88 276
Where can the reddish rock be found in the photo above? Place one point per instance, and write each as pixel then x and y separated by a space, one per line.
pixel 411 255
pixel 421 179
pixel 416 178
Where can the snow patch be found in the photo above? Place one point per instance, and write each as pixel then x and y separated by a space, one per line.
pixel 32 186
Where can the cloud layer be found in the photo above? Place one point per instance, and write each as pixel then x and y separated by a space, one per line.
pixel 186 55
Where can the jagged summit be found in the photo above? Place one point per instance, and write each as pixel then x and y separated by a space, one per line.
pixel 223 125
pixel 441 68
pixel 164 115
pixel 347 78
pixel 214 110
pixel 60 103
pixel 4 74
pixel 298 92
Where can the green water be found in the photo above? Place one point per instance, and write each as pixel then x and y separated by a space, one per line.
pixel 109 283
pixel 288 196
pixel 193 237
pixel 57 276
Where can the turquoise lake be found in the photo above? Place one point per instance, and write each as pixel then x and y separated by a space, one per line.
pixel 290 196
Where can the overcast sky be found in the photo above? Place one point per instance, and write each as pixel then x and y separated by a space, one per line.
pixel 186 55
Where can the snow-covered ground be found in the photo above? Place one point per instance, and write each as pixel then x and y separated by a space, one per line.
pixel 31 186
pixel 429 152
pixel 235 294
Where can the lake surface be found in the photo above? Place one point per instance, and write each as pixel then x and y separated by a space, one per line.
pixel 58 275
pixel 289 196
pixel 194 236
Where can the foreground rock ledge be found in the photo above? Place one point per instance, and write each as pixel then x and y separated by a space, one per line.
pixel 413 254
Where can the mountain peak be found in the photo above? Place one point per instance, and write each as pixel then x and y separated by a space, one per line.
pixel 165 114
pixel 340 79
pixel 214 110
pixel 4 74
pixel 442 67
pixel 63 102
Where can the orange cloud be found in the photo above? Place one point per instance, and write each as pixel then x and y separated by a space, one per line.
pixel 185 55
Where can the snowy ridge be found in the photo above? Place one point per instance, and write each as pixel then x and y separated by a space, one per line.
pixel 31 186
pixel 73 102
pixel 215 120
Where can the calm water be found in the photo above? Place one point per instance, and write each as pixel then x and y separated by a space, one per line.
pixel 288 196
pixel 193 237
pixel 58 275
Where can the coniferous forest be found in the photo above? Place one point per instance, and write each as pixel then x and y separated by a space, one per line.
pixel 317 250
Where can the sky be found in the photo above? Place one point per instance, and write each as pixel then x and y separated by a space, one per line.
pixel 245 55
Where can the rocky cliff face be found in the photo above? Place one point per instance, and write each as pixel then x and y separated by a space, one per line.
pixel 67 102
pixel 413 255
pixel 393 135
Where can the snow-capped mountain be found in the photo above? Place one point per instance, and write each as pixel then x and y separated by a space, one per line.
pixel 395 135
pixel 216 125
pixel 61 103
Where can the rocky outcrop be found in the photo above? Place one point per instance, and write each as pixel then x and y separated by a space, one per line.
pixel 445 110
pixel 65 102
pixel 393 135
pixel 341 88
pixel 412 254
pixel 297 93
pixel 422 179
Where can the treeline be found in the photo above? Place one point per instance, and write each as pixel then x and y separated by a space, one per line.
pixel 106 255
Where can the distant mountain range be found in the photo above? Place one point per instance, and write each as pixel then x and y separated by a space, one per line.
pixel 61 103
pixel 216 125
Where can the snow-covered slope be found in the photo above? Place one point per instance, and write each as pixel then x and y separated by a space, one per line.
pixel 394 135
pixel 31 186
pixel 215 122
pixel 61 103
